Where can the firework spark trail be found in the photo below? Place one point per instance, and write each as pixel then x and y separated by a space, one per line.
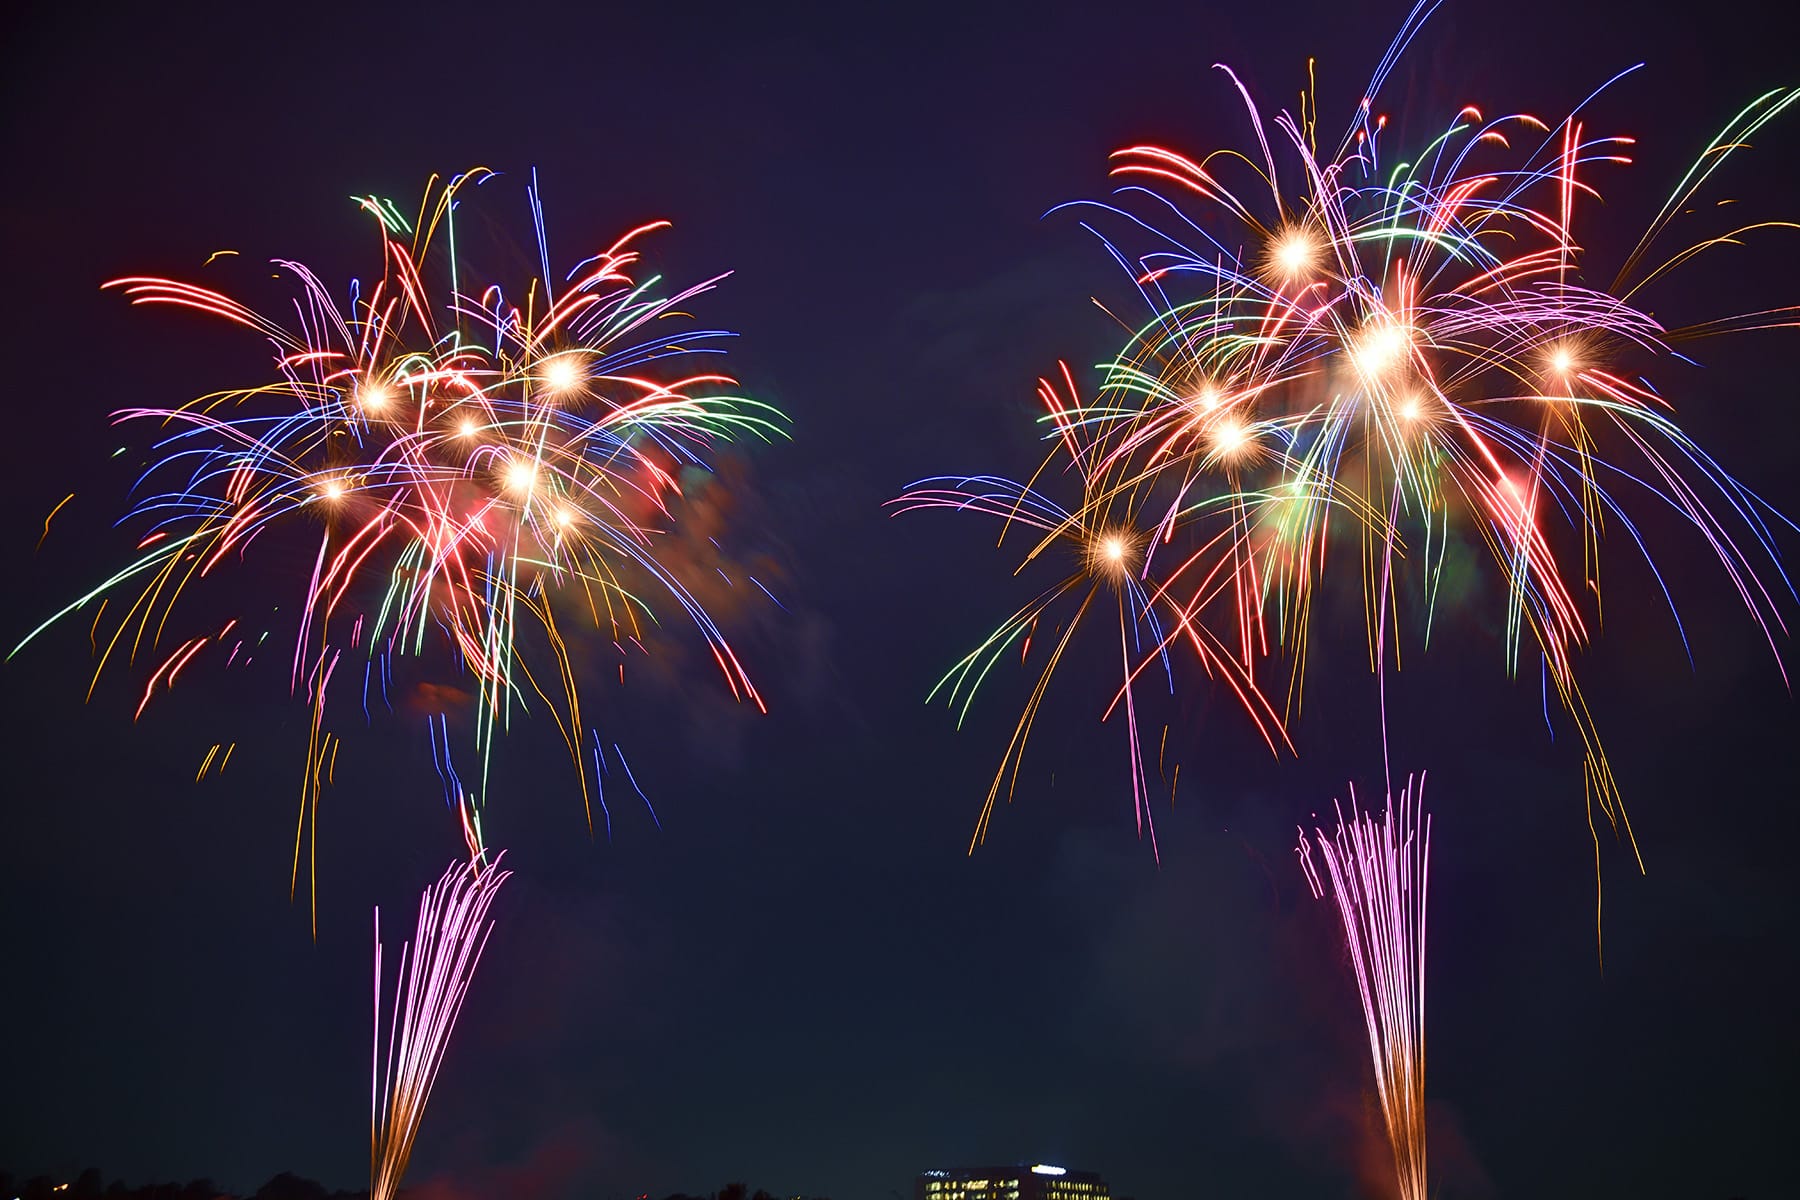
pixel 1378 873
pixel 470 477
pixel 428 996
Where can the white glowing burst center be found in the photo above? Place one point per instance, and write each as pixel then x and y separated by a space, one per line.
pixel 1230 437
pixel 1294 253
pixel 1381 348
pixel 562 374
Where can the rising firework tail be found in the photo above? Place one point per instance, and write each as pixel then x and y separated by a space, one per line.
pixel 433 979
pixel 1378 872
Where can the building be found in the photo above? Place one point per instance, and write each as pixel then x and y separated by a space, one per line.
pixel 1037 1181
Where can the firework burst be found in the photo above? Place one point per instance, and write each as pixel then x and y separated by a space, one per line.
pixel 1414 352
pixel 473 477
pixel 1356 365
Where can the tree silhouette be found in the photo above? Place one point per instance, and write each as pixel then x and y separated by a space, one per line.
pixel 289 1186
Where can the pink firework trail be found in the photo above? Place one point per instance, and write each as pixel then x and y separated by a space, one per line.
pixel 453 929
pixel 1378 872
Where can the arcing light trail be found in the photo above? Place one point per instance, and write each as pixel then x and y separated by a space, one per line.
pixel 1378 872
pixel 464 480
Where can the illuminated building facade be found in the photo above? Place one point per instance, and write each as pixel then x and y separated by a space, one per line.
pixel 1039 1181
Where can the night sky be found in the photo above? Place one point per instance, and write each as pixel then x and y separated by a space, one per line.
pixel 800 980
